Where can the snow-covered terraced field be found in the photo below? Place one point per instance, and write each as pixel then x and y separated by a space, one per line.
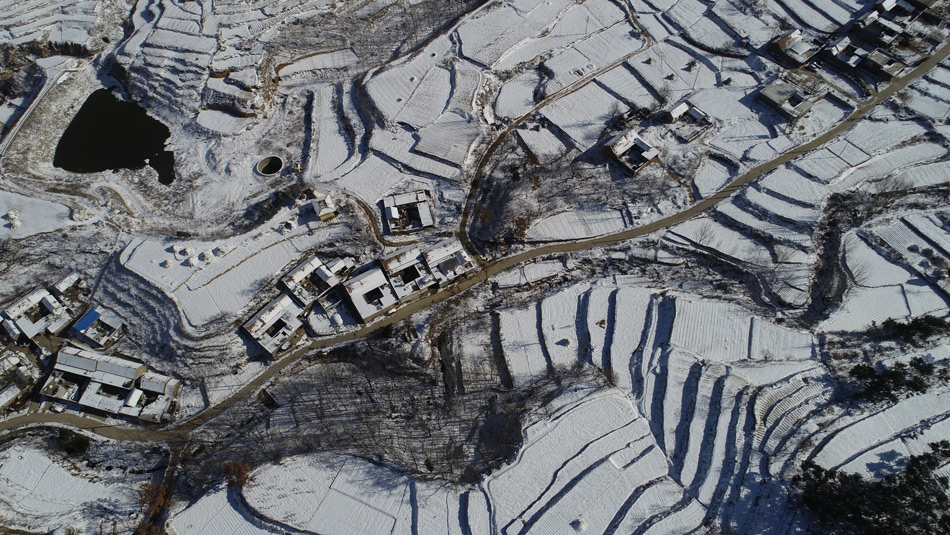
pixel 675 444
pixel 68 21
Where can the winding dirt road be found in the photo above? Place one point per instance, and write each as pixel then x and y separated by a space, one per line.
pixel 178 434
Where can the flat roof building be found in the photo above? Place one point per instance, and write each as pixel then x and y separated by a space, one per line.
pixel 407 271
pixel 448 260
pixel 97 328
pixel 312 278
pixel 35 313
pixel 790 101
pixel 97 367
pixel 275 324
pixel 8 395
pixel 110 384
pixel 371 294
pixel 406 212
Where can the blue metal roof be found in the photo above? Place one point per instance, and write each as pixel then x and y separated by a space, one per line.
pixel 87 320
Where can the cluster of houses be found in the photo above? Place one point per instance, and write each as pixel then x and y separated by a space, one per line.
pixel 866 44
pixel 328 296
pixel 80 375
pixel 110 384
pixel 686 121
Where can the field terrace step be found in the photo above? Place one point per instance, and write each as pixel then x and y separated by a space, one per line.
pixel 631 325
pixel 702 424
pixel 560 325
pixel 599 315
pixel 847 443
pixel 770 206
pixel 719 465
pixel 602 490
pixel 739 216
pixel 645 503
pixel 677 378
pixel 773 395
pixel 521 344
pixel 791 185
pixel 785 420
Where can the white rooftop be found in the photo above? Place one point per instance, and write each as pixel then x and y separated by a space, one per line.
pixel 98 367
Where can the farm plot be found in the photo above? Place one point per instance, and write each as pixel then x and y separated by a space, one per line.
pixel 43 491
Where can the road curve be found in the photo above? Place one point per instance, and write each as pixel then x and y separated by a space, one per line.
pixel 180 431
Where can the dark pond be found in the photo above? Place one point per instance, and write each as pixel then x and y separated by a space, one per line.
pixel 110 134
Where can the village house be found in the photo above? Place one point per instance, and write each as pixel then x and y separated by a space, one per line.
pixel 324 207
pixel 67 290
pixel 789 100
pixel 370 294
pixel 447 260
pixel 18 374
pixel 33 314
pixel 794 48
pixel 883 65
pixel 631 150
pixel 109 384
pixel 275 324
pixel 98 328
pixel 845 53
pixel 407 272
pixel 407 212
pixel 312 278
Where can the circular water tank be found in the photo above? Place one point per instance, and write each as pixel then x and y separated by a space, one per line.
pixel 270 165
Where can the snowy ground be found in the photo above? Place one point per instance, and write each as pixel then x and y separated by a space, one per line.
pixel 679 407
pixel 45 490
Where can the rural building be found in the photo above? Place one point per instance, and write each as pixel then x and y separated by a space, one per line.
pixel 882 65
pixel 789 100
pixel 406 212
pixel 899 8
pixel 878 31
pixel 794 48
pixel 447 260
pixel 110 384
pixel 8 395
pixel 97 328
pixel 407 271
pixel 676 113
pixel 312 278
pixel 631 149
pixel 33 314
pixel 67 289
pixel 275 324
pixel 845 53
pixel 371 294
pixel 324 207
pixel 19 374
